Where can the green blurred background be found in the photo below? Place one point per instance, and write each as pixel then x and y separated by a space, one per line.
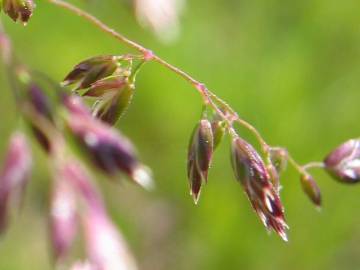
pixel 292 68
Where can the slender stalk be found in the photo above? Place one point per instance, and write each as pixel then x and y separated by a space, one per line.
pixel 209 97
pixel 95 21
pixel 146 52
pixel 296 165
pixel 302 169
pixel 314 164
pixel 224 110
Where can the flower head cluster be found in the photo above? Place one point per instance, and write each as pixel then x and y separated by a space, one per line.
pixel 71 133
pixel 203 142
pixel 18 10
pixel 62 126
pixel 40 108
pixel 14 176
pixel 105 247
pixel 343 163
pixel 250 170
pixel 311 188
pixel 108 80
pixel 106 148
pixel 199 156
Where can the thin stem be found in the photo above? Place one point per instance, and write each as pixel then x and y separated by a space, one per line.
pixel 99 24
pixel 264 146
pixel 303 169
pixel 225 111
pixel 209 97
pixel 296 165
pixel 146 52
pixel 314 164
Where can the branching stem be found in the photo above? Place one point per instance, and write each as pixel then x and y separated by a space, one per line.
pixel 220 107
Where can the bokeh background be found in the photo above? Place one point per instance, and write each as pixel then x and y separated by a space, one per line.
pixel 292 68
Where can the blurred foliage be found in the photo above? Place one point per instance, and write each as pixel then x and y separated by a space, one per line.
pixel 289 67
